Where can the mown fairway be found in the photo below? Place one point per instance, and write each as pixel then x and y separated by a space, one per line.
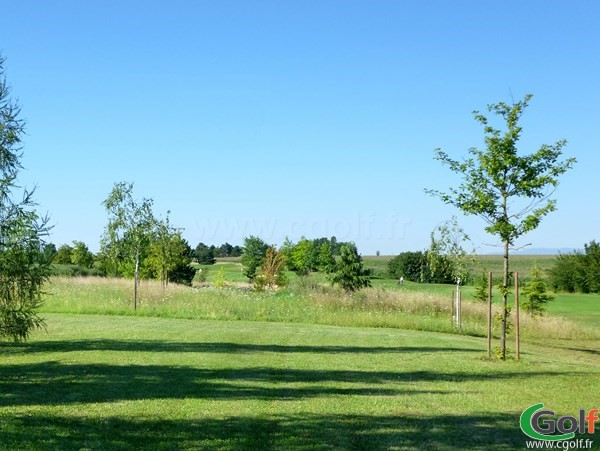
pixel 98 382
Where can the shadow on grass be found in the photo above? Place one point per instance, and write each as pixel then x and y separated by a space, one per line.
pixel 586 350
pixel 217 347
pixel 51 383
pixel 309 431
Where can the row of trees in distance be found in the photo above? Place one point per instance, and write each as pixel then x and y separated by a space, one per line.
pixel 578 271
pixel 265 265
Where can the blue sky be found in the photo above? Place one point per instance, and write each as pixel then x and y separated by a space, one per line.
pixel 313 118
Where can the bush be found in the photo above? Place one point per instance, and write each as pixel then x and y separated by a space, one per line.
pixel 409 265
pixel 414 266
pixel 75 271
pixel 183 274
pixel 577 271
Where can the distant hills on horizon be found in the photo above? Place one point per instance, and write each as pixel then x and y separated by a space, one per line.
pixel 540 251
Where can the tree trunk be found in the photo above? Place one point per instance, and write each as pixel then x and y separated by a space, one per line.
pixel 504 304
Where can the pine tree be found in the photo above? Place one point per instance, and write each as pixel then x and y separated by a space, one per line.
pixel 349 272
pixel 535 293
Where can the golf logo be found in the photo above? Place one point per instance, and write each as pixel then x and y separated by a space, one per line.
pixel 539 423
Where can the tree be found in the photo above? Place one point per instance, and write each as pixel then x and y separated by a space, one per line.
pixel 326 261
pixel 348 271
pixel 24 268
pixel 64 255
pixel 536 293
pixel 204 254
pixel 81 255
pixel 129 230
pixel 49 251
pixel 446 254
pixel 168 252
pixel 271 273
pixel 410 265
pixel 304 257
pixel 255 250
pixel 578 271
pixel 183 272
pixel 509 191
pixel 225 250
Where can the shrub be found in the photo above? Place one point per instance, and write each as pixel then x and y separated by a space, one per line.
pixel 535 293
pixel 414 266
pixel 578 271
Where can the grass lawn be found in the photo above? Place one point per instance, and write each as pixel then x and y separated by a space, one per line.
pixel 583 308
pixel 97 382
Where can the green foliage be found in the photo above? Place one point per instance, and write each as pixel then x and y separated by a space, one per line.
pixel 75 271
pixel 304 257
pixel 49 251
pixel 81 255
pixel 227 250
pixel 409 265
pixel 499 318
pixel 481 292
pixel 271 275
pixel 414 266
pixel 64 255
pixel 535 293
pixel 311 255
pixel 24 267
pixel 326 261
pixel 578 271
pixel 205 255
pixel 348 271
pixel 182 272
pixel 254 253
pixel 219 278
pixel 169 255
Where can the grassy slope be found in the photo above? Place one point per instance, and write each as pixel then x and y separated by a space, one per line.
pixel 133 382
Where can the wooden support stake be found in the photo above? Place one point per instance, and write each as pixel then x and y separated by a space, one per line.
pixel 517 336
pixel 452 303
pixel 489 318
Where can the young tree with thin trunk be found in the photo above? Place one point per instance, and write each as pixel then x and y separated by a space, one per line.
pixel 129 230
pixel 511 192
pixel 446 253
